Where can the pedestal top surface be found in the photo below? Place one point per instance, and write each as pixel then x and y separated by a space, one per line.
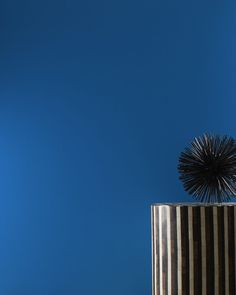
pixel 189 204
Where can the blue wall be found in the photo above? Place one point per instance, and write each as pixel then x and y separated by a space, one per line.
pixel 97 99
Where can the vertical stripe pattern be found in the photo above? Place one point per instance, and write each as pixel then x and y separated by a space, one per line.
pixel 210 273
pixel 184 250
pixel 193 249
pixel 216 250
pixel 197 251
pixel 203 248
pixel 231 248
pixel 226 248
pixel 179 252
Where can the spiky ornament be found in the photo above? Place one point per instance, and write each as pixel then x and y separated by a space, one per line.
pixel 208 168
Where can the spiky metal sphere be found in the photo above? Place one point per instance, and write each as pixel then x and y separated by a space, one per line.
pixel 208 168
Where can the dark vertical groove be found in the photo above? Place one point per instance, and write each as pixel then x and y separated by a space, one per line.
pixel 209 250
pixel 197 250
pixel 185 249
pixel 221 250
pixel 164 251
pixel 174 270
pixel 231 250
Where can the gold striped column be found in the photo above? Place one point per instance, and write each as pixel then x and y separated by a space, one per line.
pixel 193 249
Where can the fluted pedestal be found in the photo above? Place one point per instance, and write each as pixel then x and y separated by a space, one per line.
pixel 194 249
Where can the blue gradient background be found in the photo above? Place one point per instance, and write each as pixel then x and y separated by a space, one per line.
pixel 97 99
